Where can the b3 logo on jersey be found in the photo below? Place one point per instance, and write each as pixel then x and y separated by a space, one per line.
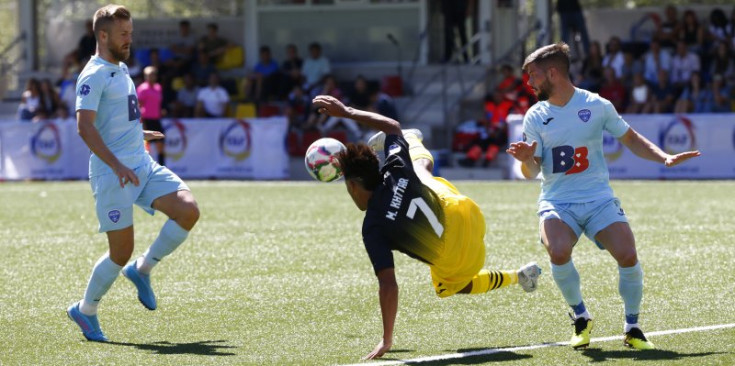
pixel 569 160
pixel 133 110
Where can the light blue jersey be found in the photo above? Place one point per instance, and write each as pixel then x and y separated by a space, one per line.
pixel 570 146
pixel 108 89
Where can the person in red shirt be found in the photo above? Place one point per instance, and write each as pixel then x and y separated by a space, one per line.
pixel 150 97
pixel 613 90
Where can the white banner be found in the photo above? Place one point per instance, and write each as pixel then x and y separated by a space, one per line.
pixel 712 134
pixel 196 148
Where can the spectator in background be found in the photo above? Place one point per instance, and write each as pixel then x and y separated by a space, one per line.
pixel 87 46
pixel 683 64
pixel 212 100
pixel 183 48
pixel 383 104
pixel 723 63
pixel 186 98
pixel 212 44
pixel 492 131
pixel 510 85
pixel 202 69
pixel 655 60
pixel 612 89
pixel 316 66
pixel 717 97
pixel 150 98
pixel 68 95
pixel 265 78
pixel 154 55
pixel 325 123
pixel 692 97
pixel 614 57
pixel 631 66
pixel 291 70
pixel 455 14
pixel 31 103
pixel 640 96
pixel 663 94
pixel 359 96
pixel 720 30
pixel 52 104
pixel 297 108
pixel 691 32
pixel 590 77
pixel 572 20
pixel 667 30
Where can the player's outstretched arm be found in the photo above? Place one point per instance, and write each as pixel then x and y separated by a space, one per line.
pixel 523 152
pixel 90 135
pixel 646 149
pixel 388 308
pixel 333 107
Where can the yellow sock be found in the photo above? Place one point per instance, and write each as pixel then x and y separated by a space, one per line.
pixel 486 280
pixel 416 149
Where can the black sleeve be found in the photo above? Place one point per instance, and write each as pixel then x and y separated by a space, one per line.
pixel 378 249
pixel 397 157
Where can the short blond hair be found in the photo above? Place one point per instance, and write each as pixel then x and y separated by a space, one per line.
pixel 107 15
pixel 556 55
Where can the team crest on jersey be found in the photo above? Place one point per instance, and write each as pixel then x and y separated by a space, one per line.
pixel 394 149
pixel 114 215
pixel 84 90
pixel 584 115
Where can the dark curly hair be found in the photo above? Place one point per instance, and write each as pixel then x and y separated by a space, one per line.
pixel 359 162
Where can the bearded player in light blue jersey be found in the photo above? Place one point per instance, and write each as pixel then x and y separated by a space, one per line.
pixel 563 141
pixel 121 172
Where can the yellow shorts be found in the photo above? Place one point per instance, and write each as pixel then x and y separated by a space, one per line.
pixel 463 252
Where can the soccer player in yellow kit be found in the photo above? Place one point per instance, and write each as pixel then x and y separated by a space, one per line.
pixel 409 210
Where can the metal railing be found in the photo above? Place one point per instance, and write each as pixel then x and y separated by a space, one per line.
pixel 8 68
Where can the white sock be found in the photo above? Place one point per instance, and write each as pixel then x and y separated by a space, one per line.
pixel 104 274
pixel 170 237
pixel 628 327
pixel 586 315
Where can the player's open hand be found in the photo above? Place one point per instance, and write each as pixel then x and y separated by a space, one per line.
pixel 680 158
pixel 522 150
pixel 126 175
pixel 378 351
pixel 152 135
pixel 330 105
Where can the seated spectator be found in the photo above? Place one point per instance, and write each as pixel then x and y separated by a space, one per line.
pixel 297 108
pixel 667 30
pixel 631 66
pixel 52 104
pixel 492 132
pixel 154 57
pixel 315 68
pixel 31 103
pixel 612 89
pixel 723 63
pixel 212 100
pixel 717 98
pixel 383 104
pixel 87 46
pixel 663 94
pixel 691 32
pixel 359 96
pixel 614 56
pixel 183 48
pixel 150 98
pixel 265 78
pixel 640 96
pixel 291 69
pixel 186 98
pixel 590 76
pixel 693 95
pixel 683 64
pixel 510 86
pixel 212 44
pixel 325 123
pixel 655 59
pixel 202 70
pixel 720 30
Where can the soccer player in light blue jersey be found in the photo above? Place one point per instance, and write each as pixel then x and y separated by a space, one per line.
pixel 563 141
pixel 122 173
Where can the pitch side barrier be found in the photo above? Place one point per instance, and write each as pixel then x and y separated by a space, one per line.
pixel 712 134
pixel 195 148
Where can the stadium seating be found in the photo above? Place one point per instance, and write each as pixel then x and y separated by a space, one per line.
pixel 232 58
pixel 245 110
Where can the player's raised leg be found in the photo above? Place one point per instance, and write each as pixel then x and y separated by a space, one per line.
pixel 485 280
pixel 559 239
pixel 618 239
pixel 183 213
pixel 104 274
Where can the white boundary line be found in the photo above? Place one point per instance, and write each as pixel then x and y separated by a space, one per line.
pixel 491 351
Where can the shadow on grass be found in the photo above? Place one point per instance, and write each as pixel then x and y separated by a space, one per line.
pixel 599 355
pixel 473 360
pixel 203 348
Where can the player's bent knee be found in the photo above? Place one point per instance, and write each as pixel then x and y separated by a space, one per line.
pixel 559 256
pixel 628 259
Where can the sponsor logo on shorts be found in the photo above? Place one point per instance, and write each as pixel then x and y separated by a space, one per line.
pixel 114 215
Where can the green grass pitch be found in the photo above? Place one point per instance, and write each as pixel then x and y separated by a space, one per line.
pixel 276 274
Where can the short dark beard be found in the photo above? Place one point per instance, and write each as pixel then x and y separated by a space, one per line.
pixel 544 91
pixel 120 55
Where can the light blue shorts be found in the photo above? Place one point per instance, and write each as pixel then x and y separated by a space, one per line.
pixel 115 205
pixel 590 217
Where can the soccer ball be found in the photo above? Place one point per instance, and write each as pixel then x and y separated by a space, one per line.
pixel 321 159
